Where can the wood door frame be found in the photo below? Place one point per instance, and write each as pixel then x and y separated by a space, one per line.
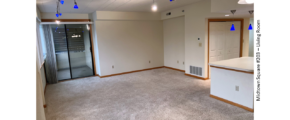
pixel 91 35
pixel 241 36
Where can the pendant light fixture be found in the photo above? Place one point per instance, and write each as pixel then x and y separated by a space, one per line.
pixel 58 9
pixel 233 26
pixel 76 5
pixel 154 6
pixel 250 26
pixel 62 1
pixel 246 2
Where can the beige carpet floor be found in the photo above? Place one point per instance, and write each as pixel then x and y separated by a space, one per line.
pixel 159 94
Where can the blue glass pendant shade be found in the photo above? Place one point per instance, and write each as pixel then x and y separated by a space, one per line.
pixel 233 28
pixel 56 15
pixel 76 6
pixel 250 27
pixel 62 2
pixel 60 14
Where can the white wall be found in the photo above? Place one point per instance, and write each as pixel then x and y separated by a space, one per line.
pixel 129 45
pixel 38 13
pixel 64 16
pixel 115 15
pixel 223 83
pixel 246 37
pixel 43 78
pixel 196 26
pixel 173 36
pixel 40 100
pixel 93 17
pixel 225 6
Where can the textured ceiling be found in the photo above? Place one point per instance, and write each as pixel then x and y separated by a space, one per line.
pixel 89 6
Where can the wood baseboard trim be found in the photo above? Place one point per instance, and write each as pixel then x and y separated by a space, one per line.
pixel 97 75
pixel 196 76
pixel 130 72
pixel 174 69
pixel 232 103
pixel 44 105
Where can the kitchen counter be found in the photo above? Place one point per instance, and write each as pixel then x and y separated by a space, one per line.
pixel 232 81
pixel 243 64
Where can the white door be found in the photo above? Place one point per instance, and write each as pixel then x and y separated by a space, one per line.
pixel 223 43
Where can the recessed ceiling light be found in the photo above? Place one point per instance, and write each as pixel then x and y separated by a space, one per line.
pixel 250 1
pixel 154 8
pixel 227 15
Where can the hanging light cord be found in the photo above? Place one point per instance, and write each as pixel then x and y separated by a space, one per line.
pixel 57 7
pixel 233 12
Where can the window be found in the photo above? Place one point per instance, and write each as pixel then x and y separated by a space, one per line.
pixel 74 36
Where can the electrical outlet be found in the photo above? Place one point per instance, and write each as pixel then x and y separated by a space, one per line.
pixel 112 66
pixel 149 61
pixel 200 44
pixel 237 88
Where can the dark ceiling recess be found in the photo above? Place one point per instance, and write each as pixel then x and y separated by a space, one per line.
pixel 168 13
pixel 182 10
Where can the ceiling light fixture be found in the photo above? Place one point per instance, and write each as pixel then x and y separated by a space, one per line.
pixel 154 6
pixel 233 26
pixel 58 9
pixel 250 26
pixel 61 1
pixel 88 27
pixel 246 2
pixel 227 15
pixel 250 1
pixel 76 5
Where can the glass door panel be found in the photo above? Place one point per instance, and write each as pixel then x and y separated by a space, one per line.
pixel 79 44
pixel 61 52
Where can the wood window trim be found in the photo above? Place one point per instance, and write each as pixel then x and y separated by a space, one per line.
pixel 66 20
pixel 93 49
pixel 208 33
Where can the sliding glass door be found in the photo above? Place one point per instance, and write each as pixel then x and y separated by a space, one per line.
pixel 80 55
pixel 73 51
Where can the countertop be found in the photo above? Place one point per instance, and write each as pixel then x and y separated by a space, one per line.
pixel 242 64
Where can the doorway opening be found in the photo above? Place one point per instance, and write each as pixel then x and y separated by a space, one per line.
pixel 223 43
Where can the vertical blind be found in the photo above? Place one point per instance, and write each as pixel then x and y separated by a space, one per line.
pixel 75 40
